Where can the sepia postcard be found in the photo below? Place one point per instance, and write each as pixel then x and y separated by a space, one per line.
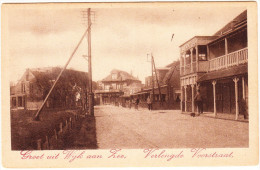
pixel 145 84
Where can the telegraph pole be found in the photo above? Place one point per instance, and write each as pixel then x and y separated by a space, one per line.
pixel 152 76
pixel 90 96
pixel 160 95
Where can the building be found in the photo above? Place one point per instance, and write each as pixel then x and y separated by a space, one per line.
pixel 166 92
pixel 117 87
pixel 30 91
pixel 217 66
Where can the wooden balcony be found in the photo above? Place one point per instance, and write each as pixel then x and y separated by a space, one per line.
pixel 188 69
pixel 231 59
pixel 108 91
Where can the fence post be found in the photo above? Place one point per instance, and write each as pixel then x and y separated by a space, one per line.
pixel 47 142
pixel 61 127
pixel 70 120
pixel 55 134
pixel 39 144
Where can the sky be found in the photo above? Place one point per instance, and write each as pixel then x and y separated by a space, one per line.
pixel 121 37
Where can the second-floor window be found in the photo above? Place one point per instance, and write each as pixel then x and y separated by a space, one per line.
pixel 202 57
pixel 22 87
pixel 27 77
pixel 31 88
pixel 114 76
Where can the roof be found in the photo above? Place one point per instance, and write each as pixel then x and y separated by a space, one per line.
pixel 224 73
pixel 173 67
pixel 201 37
pixel 43 76
pixel 173 64
pixel 163 68
pixel 122 76
pixel 233 24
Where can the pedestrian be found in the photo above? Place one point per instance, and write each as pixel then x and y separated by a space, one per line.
pixel 243 108
pixel 149 103
pixel 199 102
pixel 136 103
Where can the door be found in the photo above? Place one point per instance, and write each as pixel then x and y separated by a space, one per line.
pixel 226 98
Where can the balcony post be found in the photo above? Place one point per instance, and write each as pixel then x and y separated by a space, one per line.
pixel 184 63
pixel 243 87
pixel 226 52
pixel 214 97
pixel 181 97
pixel 181 60
pixel 191 60
pixel 226 46
pixel 236 96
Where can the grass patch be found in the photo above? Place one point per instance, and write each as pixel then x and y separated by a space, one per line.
pixel 25 131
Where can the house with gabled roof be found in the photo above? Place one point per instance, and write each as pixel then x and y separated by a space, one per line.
pixel 30 91
pixel 116 85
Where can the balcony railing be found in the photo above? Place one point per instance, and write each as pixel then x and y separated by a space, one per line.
pixel 108 90
pixel 187 69
pixel 231 59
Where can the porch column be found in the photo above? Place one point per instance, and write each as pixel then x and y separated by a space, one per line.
pixel 197 58
pixel 184 62
pixel 214 97
pixel 22 101
pixel 101 99
pixel 192 97
pixel 191 58
pixel 197 89
pixel 17 104
pixel 236 96
pixel 185 100
pixel 243 88
pixel 181 63
pixel 226 46
pixel 181 97
pixel 226 52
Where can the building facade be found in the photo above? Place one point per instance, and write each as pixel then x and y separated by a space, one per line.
pixel 30 91
pixel 117 87
pixel 166 92
pixel 217 66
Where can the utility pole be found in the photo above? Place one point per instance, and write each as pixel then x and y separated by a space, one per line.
pixel 36 117
pixel 90 96
pixel 152 76
pixel 160 95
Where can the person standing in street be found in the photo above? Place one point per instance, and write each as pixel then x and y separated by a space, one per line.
pixel 149 103
pixel 136 103
pixel 199 102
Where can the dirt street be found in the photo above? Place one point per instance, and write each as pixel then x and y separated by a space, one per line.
pixel 118 127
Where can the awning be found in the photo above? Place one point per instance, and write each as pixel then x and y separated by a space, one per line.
pixel 224 73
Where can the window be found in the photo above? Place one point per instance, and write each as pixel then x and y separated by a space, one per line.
pixel 114 86
pixel 13 101
pixel 27 77
pixel 202 57
pixel 114 76
pixel 107 87
pixel 22 87
pixel 31 88
pixel 20 101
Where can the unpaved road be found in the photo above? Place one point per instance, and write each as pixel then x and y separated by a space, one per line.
pixel 118 127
